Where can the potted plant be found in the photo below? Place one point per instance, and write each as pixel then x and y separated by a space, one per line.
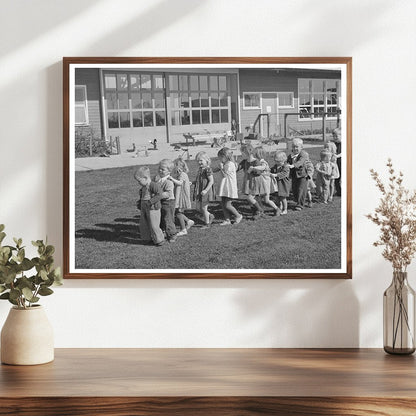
pixel 396 217
pixel 27 336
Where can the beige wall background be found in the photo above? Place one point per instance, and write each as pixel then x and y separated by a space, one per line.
pixel 380 35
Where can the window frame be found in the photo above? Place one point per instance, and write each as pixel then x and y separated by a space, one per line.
pixel 84 105
pixel 252 107
pixel 312 93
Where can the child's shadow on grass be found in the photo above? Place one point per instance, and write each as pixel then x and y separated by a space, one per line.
pixel 122 230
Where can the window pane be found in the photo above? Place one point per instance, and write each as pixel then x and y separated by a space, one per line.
pixel 159 101
pixel 215 101
pixel 183 82
pixel 331 99
pixel 224 116
pixel 176 121
pixel 203 82
pixel 251 100
pixel 173 82
pixel 135 82
pixel 185 118
pixel 147 100
pixel 285 99
pixel 80 115
pixel 123 100
pixel 317 85
pixel 122 83
pixel 157 82
pixel 318 99
pixel 146 82
pixel 111 100
pixel 137 119
pixel 124 119
pixel 205 116
pixel 148 118
pixel 79 94
pixel 160 118
pixel 222 83
pixel 135 100
pixel 204 99
pixel 215 115
pixel 305 112
pixel 213 83
pixel 303 85
pixel 224 99
pixel 195 99
pixel 184 100
pixel 174 100
pixel 304 99
pixel 112 120
pixel 194 82
pixel 196 117
pixel 110 81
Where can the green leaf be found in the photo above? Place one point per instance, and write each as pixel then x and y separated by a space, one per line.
pixel 2 236
pixel 2 227
pixel 15 294
pixel 2 288
pixel 21 255
pixel 49 250
pixel 43 274
pixel 18 242
pixel 26 264
pixel 27 293
pixel 37 243
pixel 45 291
pixel 5 295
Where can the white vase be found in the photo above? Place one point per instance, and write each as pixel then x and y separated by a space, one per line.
pixel 27 337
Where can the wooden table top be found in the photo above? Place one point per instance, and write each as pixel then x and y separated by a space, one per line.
pixel 214 372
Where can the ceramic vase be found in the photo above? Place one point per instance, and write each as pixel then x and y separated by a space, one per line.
pixel 27 337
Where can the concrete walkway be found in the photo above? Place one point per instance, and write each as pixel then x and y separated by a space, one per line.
pixel 164 151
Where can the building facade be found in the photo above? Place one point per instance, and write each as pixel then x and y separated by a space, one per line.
pixel 140 105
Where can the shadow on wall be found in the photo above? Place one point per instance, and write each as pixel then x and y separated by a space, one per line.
pixel 300 313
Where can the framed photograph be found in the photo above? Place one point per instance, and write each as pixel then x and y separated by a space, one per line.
pixel 207 168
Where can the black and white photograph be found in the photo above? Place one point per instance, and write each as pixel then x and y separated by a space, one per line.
pixel 223 168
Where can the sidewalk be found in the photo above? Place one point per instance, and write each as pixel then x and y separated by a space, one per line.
pixel 164 151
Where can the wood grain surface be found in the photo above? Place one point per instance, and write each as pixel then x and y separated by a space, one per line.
pixel 212 381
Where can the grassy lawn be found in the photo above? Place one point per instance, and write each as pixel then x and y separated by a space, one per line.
pixel 107 236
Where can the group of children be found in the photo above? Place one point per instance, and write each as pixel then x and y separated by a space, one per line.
pixel 168 195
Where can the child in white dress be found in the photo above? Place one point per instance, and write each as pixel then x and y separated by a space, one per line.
pixel 182 192
pixel 228 187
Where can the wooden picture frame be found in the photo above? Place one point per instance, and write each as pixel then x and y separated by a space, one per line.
pixel 115 107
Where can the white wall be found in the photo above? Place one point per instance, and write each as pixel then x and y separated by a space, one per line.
pixel 380 35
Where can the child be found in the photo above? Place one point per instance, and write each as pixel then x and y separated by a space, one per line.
pixel 228 186
pixel 326 170
pixel 280 180
pixel 182 195
pixel 251 179
pixel 204 187
pixel 298 173
pixel 168 199
pixel 331 146
pixel 264 170
pixel 150 195
pixel 311 184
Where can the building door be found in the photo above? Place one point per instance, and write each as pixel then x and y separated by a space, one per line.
pixel 269 106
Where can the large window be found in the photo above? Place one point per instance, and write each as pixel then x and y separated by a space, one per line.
pixel 199 99
pixel 81 108
pixel 134 100
pixel 318 96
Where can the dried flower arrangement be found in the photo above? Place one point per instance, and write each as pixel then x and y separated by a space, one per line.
pixel 396 216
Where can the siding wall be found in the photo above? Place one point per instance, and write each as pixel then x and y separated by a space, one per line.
pixel 91 78
pixel 279 81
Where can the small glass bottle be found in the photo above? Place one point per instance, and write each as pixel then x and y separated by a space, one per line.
pixel 399 316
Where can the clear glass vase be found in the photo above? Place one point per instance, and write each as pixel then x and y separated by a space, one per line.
pixel 399 316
